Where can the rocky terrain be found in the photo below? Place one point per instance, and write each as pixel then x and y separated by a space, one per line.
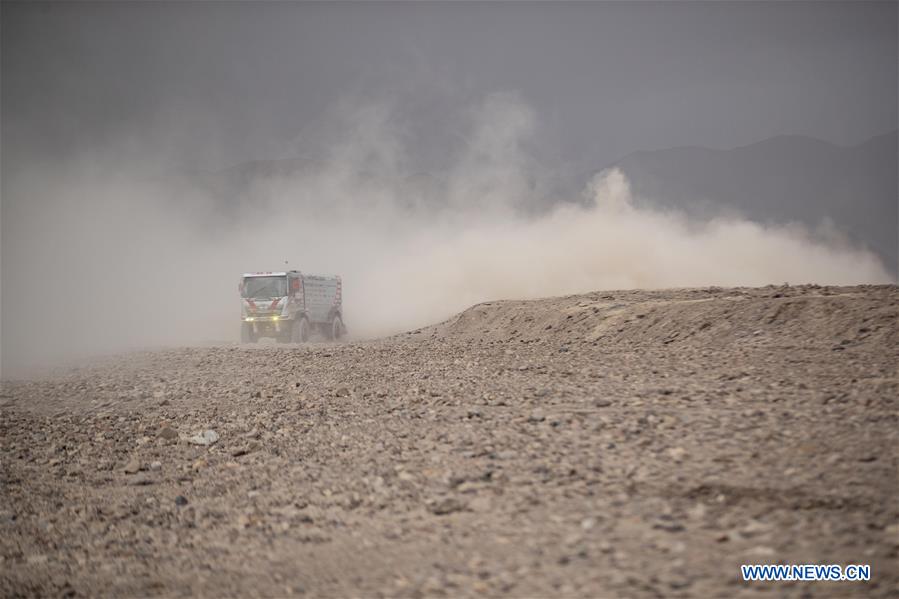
pixel 638 444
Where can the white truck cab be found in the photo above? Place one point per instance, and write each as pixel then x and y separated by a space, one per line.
pixel 289 305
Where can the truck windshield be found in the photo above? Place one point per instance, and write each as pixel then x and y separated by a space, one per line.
pixel 264 287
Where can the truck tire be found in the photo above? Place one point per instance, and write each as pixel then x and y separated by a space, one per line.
pixel 337 330
pixel 246 333
pixel 299 333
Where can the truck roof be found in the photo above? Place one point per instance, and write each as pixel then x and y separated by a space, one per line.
pixel 289 272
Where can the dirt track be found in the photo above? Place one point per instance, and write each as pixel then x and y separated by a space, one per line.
pixel 610 444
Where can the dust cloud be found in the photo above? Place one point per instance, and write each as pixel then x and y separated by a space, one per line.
pixel 101 254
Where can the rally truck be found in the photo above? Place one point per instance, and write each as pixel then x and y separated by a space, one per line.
pixel 289 306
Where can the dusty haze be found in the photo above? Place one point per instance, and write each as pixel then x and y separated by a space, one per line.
pixel 435 154
pixel 101 255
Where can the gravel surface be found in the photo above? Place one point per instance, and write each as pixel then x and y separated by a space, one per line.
pixel 638 443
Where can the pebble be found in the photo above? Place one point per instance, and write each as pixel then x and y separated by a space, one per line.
pixel 677 453
pixel 168 433
pixel 446 505
pixel 697 512
pixel 754 527
pixel 132 466
pixel 536 416
pixel 250 447
pixel 207 437
pixel 140 480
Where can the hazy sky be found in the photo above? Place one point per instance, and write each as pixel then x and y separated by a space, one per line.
pixel 210 84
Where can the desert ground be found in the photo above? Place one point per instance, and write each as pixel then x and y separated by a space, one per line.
pixel 631 443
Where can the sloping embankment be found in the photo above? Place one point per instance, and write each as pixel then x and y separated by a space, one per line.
pixel 823 317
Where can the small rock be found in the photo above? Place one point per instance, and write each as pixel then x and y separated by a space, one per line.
pixel 446 505
pixel 132 466
pixel 697 512
pixel 180 500
pixel 602 403
pixel 469 486
pixel 668 525
pixel 754 527
pixel 199 465
pixel 536 416
pixel 141 480
pixel 155 465
pixel 677 453
pixel 207 437
pixel 168 433
pixel 342 392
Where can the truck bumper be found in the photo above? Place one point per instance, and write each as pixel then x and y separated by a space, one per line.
pixel 268 324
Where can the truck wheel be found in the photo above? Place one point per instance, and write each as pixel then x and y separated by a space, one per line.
pixel 299 333
pixel 246 333
pixel 337 329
